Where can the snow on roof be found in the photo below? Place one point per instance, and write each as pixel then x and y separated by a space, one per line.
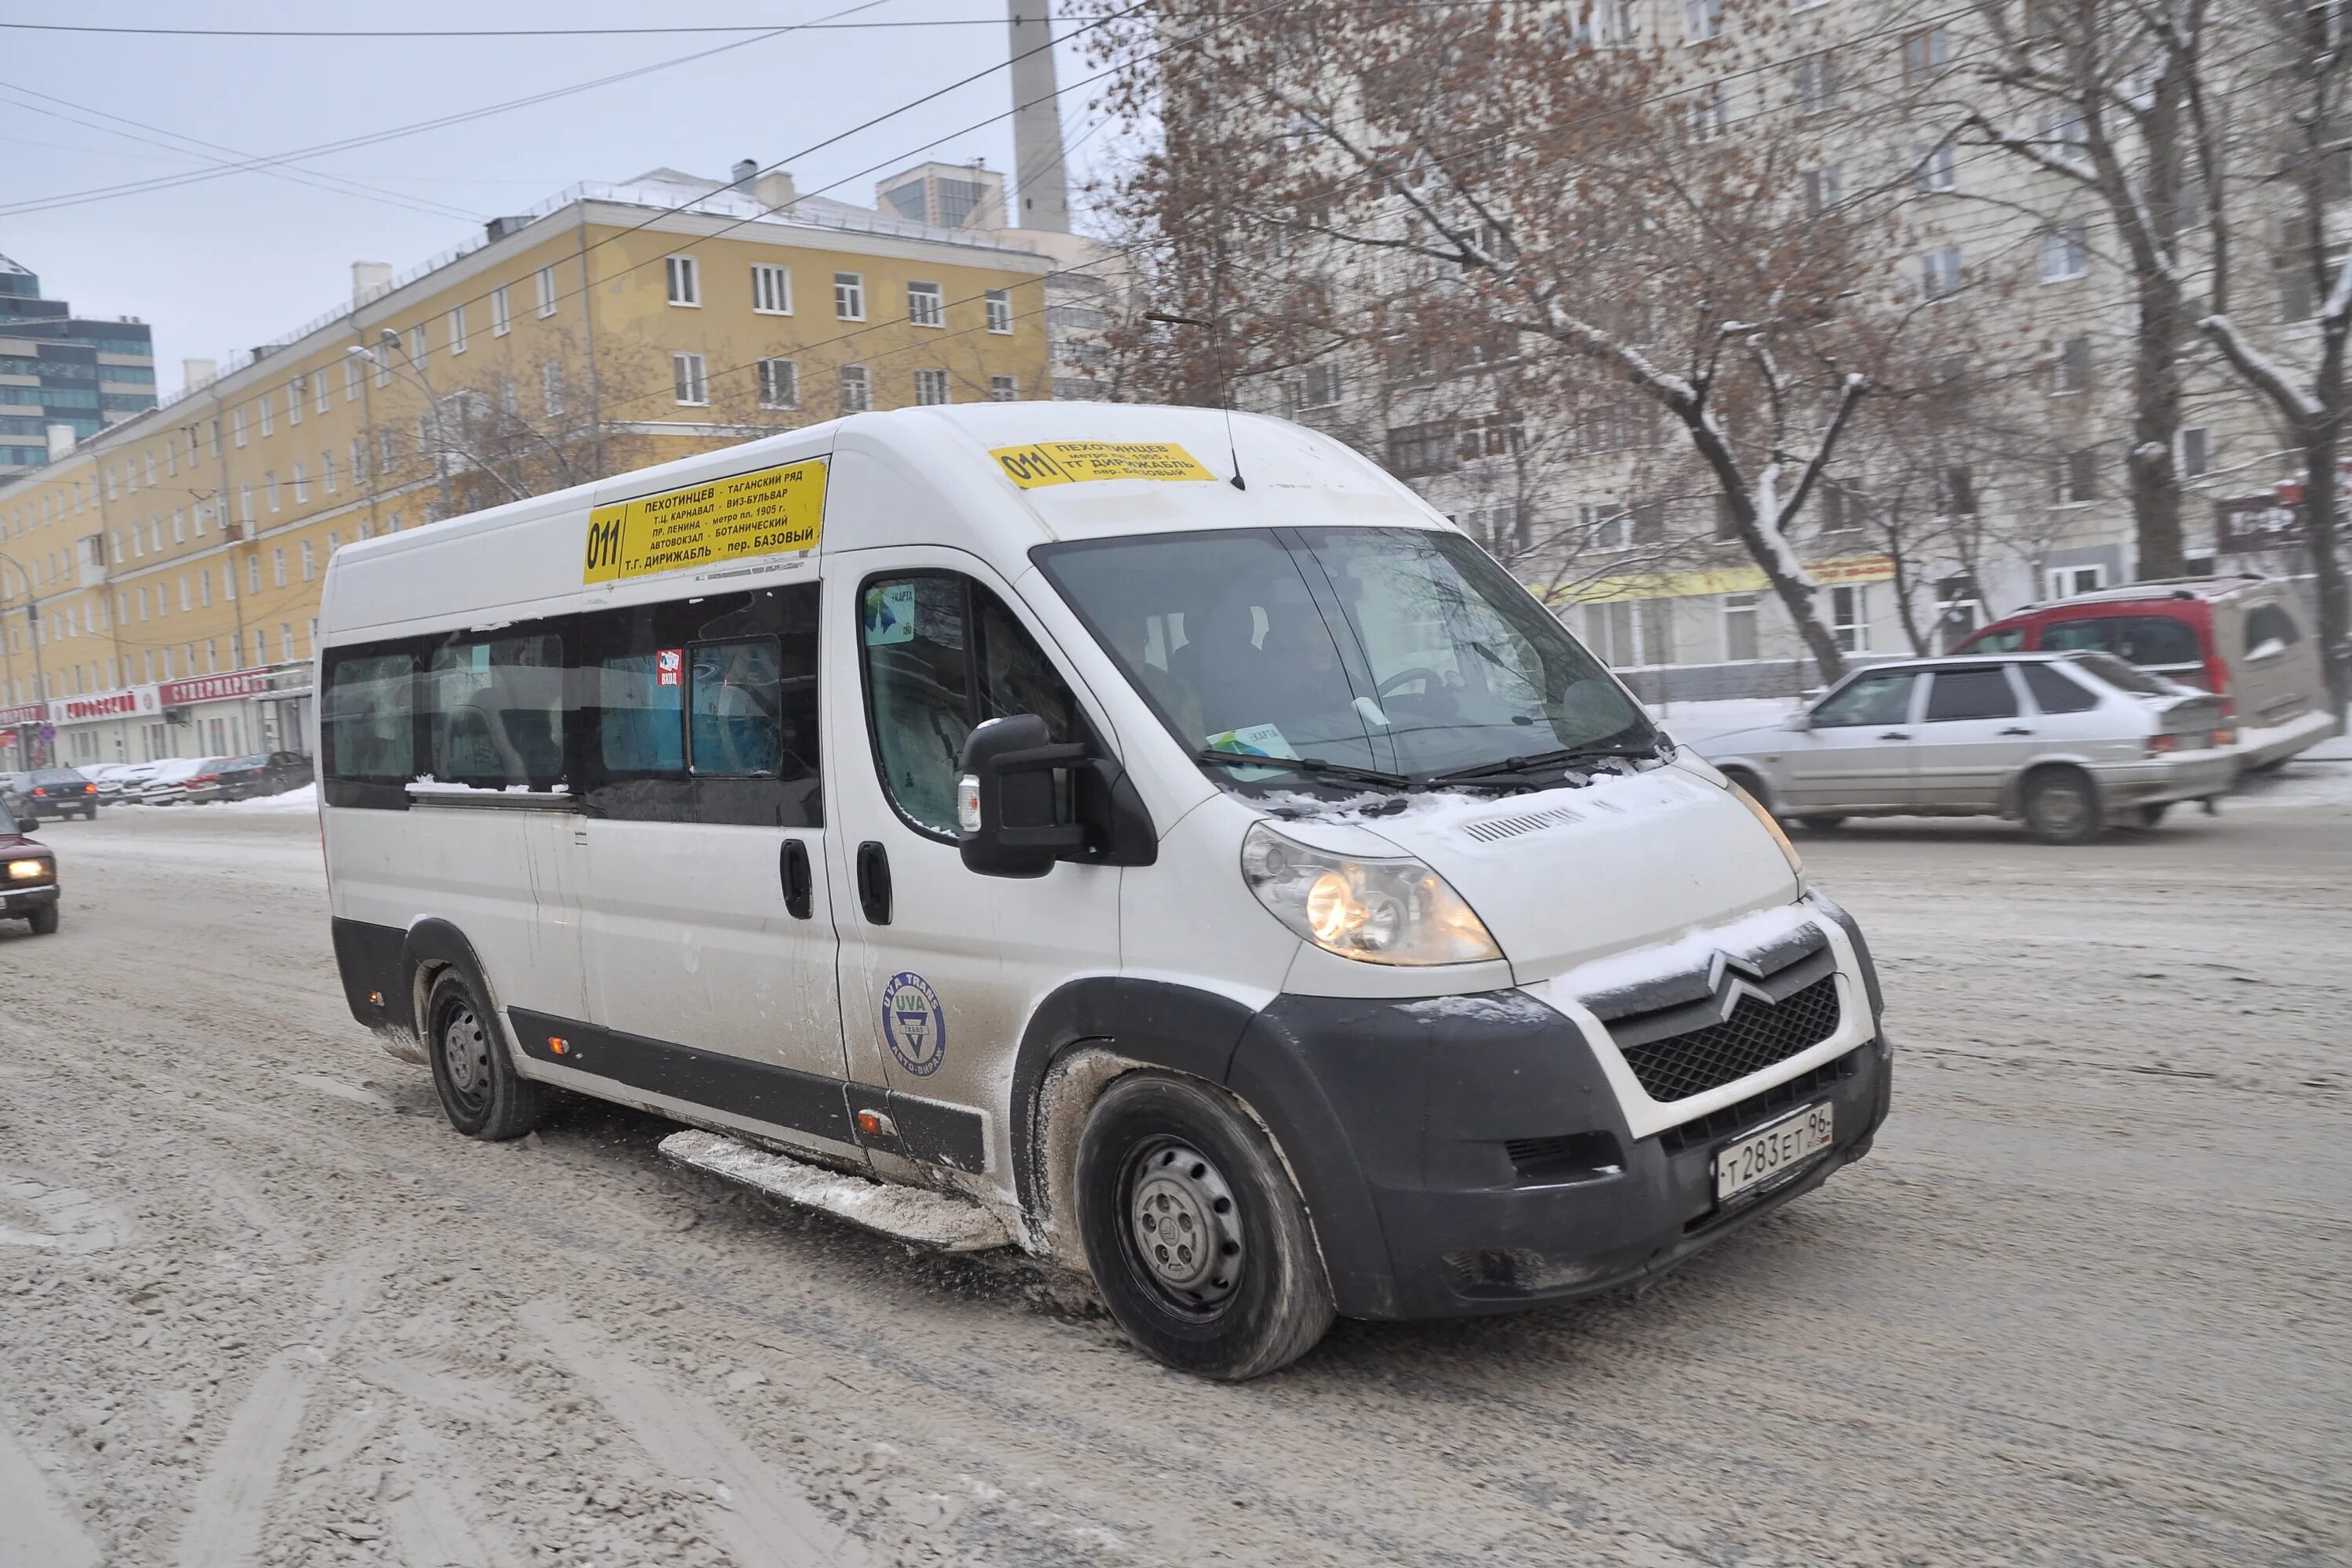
pixel 16 267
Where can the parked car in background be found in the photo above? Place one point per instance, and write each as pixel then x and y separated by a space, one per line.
pixel 270 772
pixel 179 780
pixel 28 877
pixel 2069 744
pixel 62 792
pixel 122 783
pixel 2241 638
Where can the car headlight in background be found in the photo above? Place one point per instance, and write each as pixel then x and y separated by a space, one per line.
pixel 28 870
pixel 1772 825
pixel 1379 910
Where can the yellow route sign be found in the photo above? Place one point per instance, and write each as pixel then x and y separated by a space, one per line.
pixel 1076 462
pixel 769 511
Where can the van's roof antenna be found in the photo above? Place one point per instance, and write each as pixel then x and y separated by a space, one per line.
pixel 1224 395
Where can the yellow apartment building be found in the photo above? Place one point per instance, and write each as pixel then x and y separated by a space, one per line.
pixel 159 584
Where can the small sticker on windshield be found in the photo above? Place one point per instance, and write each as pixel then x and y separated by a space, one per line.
pixel 890 614
pixel 1255 740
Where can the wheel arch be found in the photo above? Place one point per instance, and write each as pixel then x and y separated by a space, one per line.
pixel 435 944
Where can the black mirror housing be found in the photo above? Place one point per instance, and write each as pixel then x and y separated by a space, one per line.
pixel 1025 802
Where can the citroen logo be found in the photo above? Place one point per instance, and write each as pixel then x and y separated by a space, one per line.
pixel 1731 978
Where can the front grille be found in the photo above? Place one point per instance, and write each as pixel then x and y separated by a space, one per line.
pixel 1756 1107
pixel 1567 1157
pixel 1756 1035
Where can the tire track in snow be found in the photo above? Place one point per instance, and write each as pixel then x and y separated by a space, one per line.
pixel 36 1529
pixel 760 1519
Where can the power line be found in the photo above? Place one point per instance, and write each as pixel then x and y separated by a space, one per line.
pixel 496 31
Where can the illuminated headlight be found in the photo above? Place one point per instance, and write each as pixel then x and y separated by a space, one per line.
pixel 1385 910
pixel 28 870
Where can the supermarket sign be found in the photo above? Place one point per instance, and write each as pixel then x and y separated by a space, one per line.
pixel 214 687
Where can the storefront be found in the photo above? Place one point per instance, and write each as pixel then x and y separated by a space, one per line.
pixel 23 737
pixel 209 715
pixel 103 727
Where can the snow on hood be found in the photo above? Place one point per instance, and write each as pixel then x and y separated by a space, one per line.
pixel 1563 877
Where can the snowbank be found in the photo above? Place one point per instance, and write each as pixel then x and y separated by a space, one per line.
pixel 1687 722
pixel 306 798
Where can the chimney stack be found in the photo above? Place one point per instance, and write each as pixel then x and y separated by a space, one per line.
pixel 1040 185
pixel 369 280
pixel 196 372
pixel 61 441
pixel 744 172
pixel 774 190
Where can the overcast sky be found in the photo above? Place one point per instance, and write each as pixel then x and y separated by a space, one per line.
pixel 224 263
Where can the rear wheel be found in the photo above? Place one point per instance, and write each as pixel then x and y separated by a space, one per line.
pixel 2061 806
pixel 44 920
pixel 481 1093
pixel 1821 823
pixel 2148 816
pixel 1196 1236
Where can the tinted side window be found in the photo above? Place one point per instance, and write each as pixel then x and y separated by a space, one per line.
pixel 942 654
pixel 2056 692
pixel 1868 699
pixel 2270 629
pixel 1971 694
pixel 2135 639
pixel 497 709
pixel 368 724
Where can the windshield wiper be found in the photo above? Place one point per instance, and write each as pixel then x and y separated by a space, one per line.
pixel 1314 765
pixel 1510 770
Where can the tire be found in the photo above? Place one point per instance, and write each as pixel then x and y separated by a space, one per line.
pixel 2061 806
pixel 44 920
pixel 1160 1150
pixel 1821 823
pixel 481 1093
pixel 2148 816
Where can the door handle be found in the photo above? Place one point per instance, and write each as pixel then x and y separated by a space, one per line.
pixel 874 883
pixel 799 889
pixel 1896 735
pixel 2017 730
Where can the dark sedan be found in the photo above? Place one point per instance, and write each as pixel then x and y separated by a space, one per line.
pixel 60 792
pixel 272 772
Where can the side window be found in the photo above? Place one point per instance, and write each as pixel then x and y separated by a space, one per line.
pixel 1971 694
pixel 369 720
pixel 2135 639
pixel 734 696
pixel 2008 639
pixel 1868 699
pixel 942 654
pixel 2056 692
pixel 639 726
pixel 498 712
pixel 2269 630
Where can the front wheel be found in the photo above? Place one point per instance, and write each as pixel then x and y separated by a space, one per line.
pixel 2061 806
pixel 481 1093
pixel 1819 822
pixel 1196 1234
pixel 44 920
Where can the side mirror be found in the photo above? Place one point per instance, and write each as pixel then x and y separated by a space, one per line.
pixel 1024 803
pixel 28 824
pixel 1800 719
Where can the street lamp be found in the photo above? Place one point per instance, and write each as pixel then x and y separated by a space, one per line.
pixel 33 629
pixel 388 340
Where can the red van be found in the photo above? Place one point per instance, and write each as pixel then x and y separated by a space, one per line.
pixel 2241 638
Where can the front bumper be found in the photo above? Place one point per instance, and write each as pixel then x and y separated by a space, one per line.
pixel 25 901
pixel 1473 1158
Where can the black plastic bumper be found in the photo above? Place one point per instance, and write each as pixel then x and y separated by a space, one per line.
pixel 1468 1155
pixel 26 901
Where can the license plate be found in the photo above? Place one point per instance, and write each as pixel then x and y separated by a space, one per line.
pixel 1777 1151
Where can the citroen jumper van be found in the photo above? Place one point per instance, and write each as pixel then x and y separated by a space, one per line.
pixel 1155 840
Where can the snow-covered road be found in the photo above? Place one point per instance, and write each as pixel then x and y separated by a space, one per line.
pixel 2090 1300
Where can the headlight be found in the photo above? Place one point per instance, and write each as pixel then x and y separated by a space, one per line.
pixel 1772 825
pixel 28 870
pixel 1385 910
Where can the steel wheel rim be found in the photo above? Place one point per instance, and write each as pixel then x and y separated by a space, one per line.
pixel 1183 1226
pixel 465 1055
pixel 2065 808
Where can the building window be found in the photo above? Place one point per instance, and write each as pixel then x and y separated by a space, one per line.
pixel 286 640
pixel 856 389
pixel 1710 113
pixel 772 289
pixel 2071 372
pixel 1004 389
pixel 2195 457
pixel 244 511
pixel 1739 628
pixel 1850 618
pixel 381 360
pixel 1935 169
pixel 253 574
pixel 358 460
pixel 388 451
pixel 543 280
pixel 2064 137
pixel 685 280
pixel 458 329
pixel 270 488
pixel 1939 273
pixel 1319 387
pixel 1824 188
pixel 686 376
pixel 925 305
pixel 2068 582
pixel 2063 253
pixel 1816 82
pixel 849 296
pixel 278 567
pixel 1926 56
pixel 310 563
pixel 1956 492
pixel 2075 479
pixel 1000 310
pixel 780 384
pixel 551 388
pixel 417 344
pixel 301 485
pixel 931 387
pixel 1702 20
pixel 501 315
pixel 324 394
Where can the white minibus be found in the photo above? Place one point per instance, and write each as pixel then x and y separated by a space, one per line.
pixel 1149 837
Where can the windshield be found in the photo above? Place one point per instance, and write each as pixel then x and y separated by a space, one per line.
pixel 1406 651
pixel 2116 672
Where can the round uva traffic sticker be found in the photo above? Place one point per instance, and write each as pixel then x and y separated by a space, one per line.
pixel 914 1024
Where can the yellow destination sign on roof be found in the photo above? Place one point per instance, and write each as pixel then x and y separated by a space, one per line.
pixel 769 511
pixel 1076 462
